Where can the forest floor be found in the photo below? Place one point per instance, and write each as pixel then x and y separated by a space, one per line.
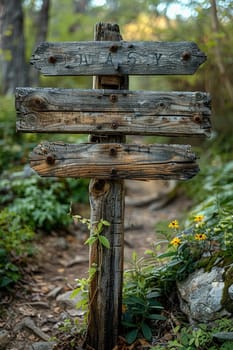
pixel 30 315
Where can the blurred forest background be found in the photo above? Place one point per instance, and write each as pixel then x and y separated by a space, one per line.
pixel 26 200
pixel 207 22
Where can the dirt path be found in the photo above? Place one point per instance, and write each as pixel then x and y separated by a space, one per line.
pixel 62 258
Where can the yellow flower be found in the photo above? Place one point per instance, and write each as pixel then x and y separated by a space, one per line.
pixel 174 224
pixel 175 241
pixel 199 218
pixel 200 236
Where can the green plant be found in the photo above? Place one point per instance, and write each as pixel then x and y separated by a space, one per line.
pixel 199 337
pixel 82 289
pixel 96 228
pixel 15 245
pixel 140 302
pixel 200 245
pixel 41 203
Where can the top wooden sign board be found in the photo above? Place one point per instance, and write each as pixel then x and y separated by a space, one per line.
pixel 117 58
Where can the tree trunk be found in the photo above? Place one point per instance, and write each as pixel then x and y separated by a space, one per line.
pixel 14 69
pixel 218 50
pixel 42 23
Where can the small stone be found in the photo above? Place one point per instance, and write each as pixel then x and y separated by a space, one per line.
pixel 54 292
pixel 67 301
pixel 224 336
pixel 230 292
pixel 61 244
pixel 201 294
pixel 75 312
pixel 42 345
pixel 4 338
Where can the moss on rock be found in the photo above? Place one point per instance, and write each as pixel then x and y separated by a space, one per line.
pixel 226 301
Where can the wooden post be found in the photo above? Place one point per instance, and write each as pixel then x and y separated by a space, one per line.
pixel 107 202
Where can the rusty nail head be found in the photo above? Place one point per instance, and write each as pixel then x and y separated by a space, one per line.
pixel 197 118
pixel 113 151
pixel 50 159
pixel 113 48
pixel 52 59
pixel 186 55
pixel 113 98
pixel 113 171
pixel 114 125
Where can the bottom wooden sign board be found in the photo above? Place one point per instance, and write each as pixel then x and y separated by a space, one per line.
pixel 114 161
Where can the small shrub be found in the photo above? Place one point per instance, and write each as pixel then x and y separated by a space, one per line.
pixel 41 203
pixel 141 307
pixel 199 337
pixel 15 238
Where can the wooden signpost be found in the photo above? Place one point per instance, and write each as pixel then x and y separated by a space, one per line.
pixel 109 112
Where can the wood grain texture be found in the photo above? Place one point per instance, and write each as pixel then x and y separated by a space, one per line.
pixel 107 201
pixel 117 58
pixel 113 111
pixel 114 161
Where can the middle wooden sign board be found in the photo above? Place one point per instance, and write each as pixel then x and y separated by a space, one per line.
pixel 116 112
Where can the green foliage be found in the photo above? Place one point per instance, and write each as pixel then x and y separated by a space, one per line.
pixel 41 203
pixel 200 337
pixel 96 228
pixel 37 206
pixel 141 307
pixel 83 291
pixel 11 150
pixel 201 245
pixel 15 238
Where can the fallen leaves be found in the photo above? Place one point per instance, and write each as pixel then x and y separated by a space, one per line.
pixel 139 344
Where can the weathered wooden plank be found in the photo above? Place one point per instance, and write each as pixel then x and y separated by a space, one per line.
pixel 113 111
pixel 114 161
pixel 114 58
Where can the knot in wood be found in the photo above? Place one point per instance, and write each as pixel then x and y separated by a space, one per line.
pixel 37 102
pixel 99 188
pixel 113 48
pixel 186 55
pixel 50 159
pixel 52 59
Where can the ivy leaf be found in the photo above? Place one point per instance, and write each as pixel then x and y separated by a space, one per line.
pixel 105 223
pixel 146 331
pixel 131 336
pixel 91 240
pixel 104 241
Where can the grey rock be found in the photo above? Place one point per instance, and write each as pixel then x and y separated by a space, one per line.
pixel 61 244
pixel 42 345
pixel 4 338
pixel 65 300
pixel 223 336
pixel 201 294
pixel 54 292
pixel 230 292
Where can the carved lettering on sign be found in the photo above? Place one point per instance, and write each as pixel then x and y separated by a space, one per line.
pixel 109 59
pixel 132 58
pixel 136 58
